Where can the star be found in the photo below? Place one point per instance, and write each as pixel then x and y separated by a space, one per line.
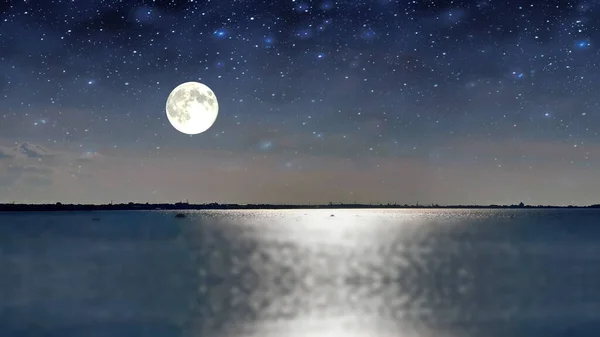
pixel 326 6
pixel 582 44
pixel 304 33
pixel 221 33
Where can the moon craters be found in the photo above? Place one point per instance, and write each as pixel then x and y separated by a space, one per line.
pixel 206 98
pixel 211 102
pixel 192 108
pixel 196 95
pixel 176 107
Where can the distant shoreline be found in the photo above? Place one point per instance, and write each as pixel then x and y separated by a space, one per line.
pixel 59 207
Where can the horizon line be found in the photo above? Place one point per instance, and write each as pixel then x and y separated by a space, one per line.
pixel 181 204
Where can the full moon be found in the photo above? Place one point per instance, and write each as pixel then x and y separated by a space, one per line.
pixel 192 108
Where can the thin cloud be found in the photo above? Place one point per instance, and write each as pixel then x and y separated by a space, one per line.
pixel 29 150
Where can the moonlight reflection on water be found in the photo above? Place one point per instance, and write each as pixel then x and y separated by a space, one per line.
pixel 408 273
pixel 373 273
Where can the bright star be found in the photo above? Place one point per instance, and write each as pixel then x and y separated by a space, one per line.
pixel 518 75
pixel 221 33
pixel 582 44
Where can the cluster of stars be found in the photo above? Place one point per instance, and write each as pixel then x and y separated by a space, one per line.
pixel 373 71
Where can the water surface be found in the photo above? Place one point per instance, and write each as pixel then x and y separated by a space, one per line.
pixel 307 273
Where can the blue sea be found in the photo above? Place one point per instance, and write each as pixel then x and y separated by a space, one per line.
pixel 313 273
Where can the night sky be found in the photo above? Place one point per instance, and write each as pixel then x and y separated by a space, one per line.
pixel 449 102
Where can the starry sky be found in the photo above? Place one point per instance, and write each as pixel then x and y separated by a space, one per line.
pixel 448 102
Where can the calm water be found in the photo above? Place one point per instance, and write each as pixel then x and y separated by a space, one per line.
pixel 359 273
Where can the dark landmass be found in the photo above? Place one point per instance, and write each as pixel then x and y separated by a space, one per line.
pixel 13 207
